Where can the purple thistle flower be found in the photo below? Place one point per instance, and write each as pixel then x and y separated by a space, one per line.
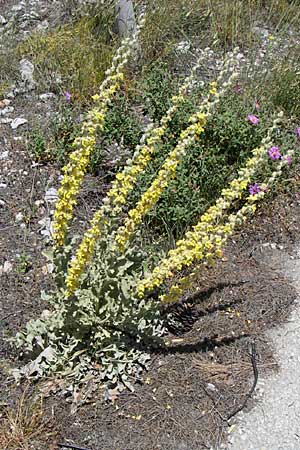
pixel 67 96
pixel 254 189
pixel 297 132
pixel 253 119
pixel 274 153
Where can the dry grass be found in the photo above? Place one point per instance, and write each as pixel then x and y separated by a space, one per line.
pixel 227 373
pixel 224 23
pixel 23 425
pixel 81 50
pixel 77 53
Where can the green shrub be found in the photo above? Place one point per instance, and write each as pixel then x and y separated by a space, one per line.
pixel 64 126
pixel 37 145
pixel 155 89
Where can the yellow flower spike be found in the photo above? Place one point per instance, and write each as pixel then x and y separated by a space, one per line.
pixel 79 159
pixel 152 137
pixel 84 253
pixel 168 170
pixel 75 170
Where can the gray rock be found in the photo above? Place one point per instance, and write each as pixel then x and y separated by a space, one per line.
pixel 10 94
pixel 6 268
pixel 4 155
pixel 47 96
pixel 43 26
pixel 211 387
pixel 26 70
pixel 3 21
pixel 51 195
pixel 7 110
pixel 183 46
pixel 18 122
pixel 17 8
pixel 19 217
pixel 5 120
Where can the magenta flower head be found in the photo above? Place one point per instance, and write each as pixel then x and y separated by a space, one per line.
pixel 274 153
pixel 297 132
pixel 254 189
pixel 253 119
pixel 67 96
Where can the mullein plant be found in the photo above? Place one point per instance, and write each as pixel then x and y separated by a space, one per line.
pixel 125 181
pixel 105 301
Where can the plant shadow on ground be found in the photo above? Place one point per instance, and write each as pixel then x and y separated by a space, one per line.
pixel 205 372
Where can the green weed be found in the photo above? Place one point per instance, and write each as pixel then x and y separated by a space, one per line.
pixel 23 263
pixel 37 145
pixel 55 143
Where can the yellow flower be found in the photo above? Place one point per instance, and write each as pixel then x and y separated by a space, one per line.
pixel 213 88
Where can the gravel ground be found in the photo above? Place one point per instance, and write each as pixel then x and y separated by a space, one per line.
pixel 274 424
